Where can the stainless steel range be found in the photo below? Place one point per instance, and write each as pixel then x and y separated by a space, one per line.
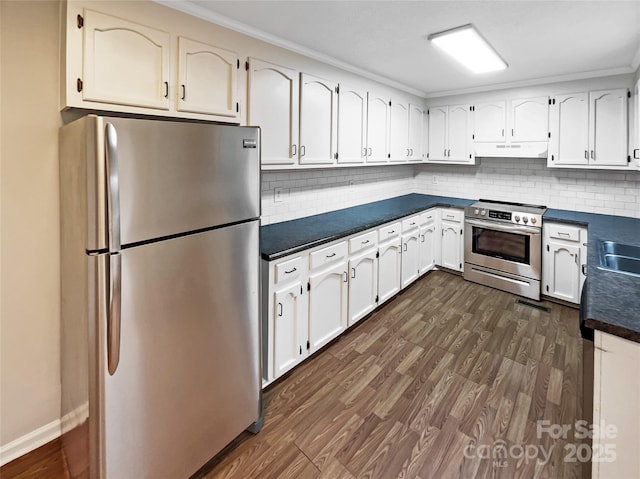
pixel 503 246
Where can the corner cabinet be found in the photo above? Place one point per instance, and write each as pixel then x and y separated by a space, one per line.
pixel 450 134
pixel 589 130
pixel 273 105
pixel 389 261
pixel 116 64
pixel 452 239
pixel 564 258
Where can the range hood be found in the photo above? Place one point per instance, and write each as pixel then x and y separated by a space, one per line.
pixel 530 149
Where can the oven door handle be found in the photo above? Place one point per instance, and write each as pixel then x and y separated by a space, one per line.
pixel 508 229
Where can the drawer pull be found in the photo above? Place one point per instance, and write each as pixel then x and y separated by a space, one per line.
pixel 365 242
pixel 291 271
pixel 391 232
pixel 450 216
pixel 412 223
pixel 330 255
pixel 564 234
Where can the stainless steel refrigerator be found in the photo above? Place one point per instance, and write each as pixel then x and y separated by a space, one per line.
pixel 160 294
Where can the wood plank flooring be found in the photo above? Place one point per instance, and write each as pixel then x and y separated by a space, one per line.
pixel 447 380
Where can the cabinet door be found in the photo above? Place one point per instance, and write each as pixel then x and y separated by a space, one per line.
pixel 389 268
pixel 425 134
pixel 608 119
pixel 529 119
pixel 318 119
pixel 490 121
pixel 327 305
pixel 352 125
pixel 616 388
pixel 459 134
pixel 399 133
pixel 437 133
pixel 363 285
pixel 562 278
pixel 273 106
pixel 124 62
pixel 377 128
pixel 289 331
pixel 207 79
pixel 569 143
pixel 410 258
pixel 427 247
pixel 451 245
pixel 416 130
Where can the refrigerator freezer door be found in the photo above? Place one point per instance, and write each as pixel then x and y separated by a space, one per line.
pixel 188 379
pixel 173 177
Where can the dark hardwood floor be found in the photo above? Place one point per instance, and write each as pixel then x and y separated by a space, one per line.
pixel 447 380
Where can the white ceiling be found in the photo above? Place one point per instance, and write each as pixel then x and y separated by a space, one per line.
pixel 540 40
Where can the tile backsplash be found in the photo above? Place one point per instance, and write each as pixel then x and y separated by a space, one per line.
pixel 309 192
pixel 530 181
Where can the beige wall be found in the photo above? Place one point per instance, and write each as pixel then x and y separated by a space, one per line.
pixel 29 294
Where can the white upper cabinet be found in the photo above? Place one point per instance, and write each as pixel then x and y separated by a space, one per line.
pixel 636 126
pixel 399 133
pixel 377 128
pixel 416 132
pixel 490 120
pixel 608 119
pixel 273 106
pixel 569 143
pixel 590 129
pixel 450 134
pixel 124 62
pixel 512 128
pixel 207 79
pixel 352 125
pixel 318 120
pixel 529 119
pixel 437 133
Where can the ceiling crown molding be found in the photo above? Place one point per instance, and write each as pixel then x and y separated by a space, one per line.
pixel 190 8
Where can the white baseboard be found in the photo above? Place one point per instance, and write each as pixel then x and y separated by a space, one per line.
pixel 29 442
pixel 47 433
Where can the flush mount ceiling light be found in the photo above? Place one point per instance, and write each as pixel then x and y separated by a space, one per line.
pixel 468 47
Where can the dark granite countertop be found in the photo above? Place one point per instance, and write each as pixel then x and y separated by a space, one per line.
pixel 282 239
pixel 612 299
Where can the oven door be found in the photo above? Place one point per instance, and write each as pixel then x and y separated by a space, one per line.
pixel 514 249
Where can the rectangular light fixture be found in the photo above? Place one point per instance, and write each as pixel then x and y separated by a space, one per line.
pixel 468 47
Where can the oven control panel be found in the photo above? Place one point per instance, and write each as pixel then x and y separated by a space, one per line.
pixel 530 218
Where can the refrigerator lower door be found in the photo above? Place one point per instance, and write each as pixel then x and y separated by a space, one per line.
pixel 188 376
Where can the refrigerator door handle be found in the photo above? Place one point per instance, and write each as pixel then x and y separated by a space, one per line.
pixel 113 317
pixel 113 187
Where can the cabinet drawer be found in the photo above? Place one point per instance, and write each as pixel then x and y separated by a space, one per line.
pixel 455 216
pixel 563 232
pixel 410 223
pixel 366 240
pixel 327 255
pixel 287 270
pixel 389 231
pixel 427 217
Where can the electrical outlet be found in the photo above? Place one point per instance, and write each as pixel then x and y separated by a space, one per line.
pixel 277 195
pixel 434 180
pixel 351 185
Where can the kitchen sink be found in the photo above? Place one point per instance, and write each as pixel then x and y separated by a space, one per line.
pixel 621 258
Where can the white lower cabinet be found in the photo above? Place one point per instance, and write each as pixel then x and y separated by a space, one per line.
pixel 428 244
pixel 289 328
pixel 389 269
pixel 451 238
pixel 363 285
pixel 616 395
pixel 563 261
pixel 410 256
pixel 327 304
